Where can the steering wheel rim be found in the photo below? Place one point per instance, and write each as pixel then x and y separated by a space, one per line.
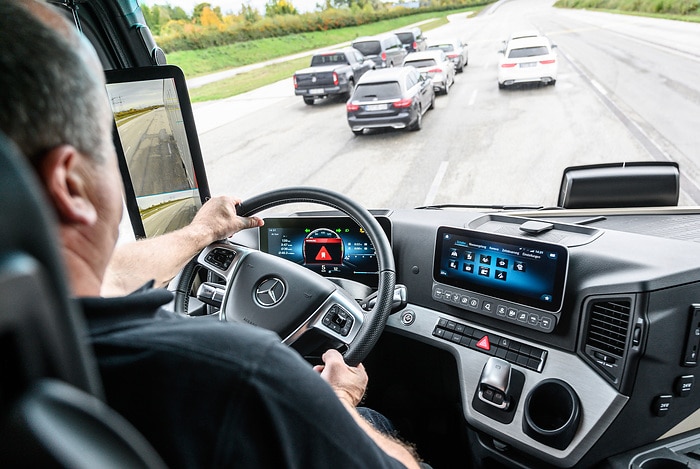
pixel 375 319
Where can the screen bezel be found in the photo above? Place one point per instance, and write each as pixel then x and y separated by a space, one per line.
pixel 560 275
pixel 321 221
pixel 159 72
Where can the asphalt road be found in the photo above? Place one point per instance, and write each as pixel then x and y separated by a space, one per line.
pixel 627 91
pixel 152 153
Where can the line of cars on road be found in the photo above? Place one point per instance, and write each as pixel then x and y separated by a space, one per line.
pixel 399 97
pixel 390 80
pixel 381 93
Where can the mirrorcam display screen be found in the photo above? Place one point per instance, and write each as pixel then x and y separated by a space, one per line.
pixel 523 271
pixel 154 133
pixel 330 246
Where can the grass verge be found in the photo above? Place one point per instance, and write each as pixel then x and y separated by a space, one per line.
pixel 201 62
pixel 247 81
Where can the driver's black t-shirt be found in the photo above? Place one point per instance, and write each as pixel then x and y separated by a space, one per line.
pixel 207 393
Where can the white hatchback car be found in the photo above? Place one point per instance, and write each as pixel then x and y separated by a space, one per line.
pixel 528 60
pixel 435 64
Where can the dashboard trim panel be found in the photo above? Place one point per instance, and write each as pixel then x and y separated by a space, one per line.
pixel 600 403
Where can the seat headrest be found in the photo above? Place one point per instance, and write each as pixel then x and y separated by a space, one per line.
pixel 36 308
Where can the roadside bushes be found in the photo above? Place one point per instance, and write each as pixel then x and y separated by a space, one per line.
pixel 665 7
pixel 182 35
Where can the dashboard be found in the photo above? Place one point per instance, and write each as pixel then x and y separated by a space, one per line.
pixel 560 334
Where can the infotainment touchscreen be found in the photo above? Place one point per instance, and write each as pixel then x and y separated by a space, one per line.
pixel 522 271
pixel 330 246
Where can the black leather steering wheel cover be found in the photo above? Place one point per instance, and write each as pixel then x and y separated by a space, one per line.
pixel 373 326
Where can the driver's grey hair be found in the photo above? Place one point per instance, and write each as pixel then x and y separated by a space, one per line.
pixel 51 86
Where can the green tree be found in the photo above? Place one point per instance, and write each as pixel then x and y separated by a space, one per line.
pixel 152 16
pixel 176 13
pixel 158 16
pixel 250 14
pixel 280 7
pixel 199 9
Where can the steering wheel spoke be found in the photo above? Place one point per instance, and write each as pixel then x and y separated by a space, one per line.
pixel 339 317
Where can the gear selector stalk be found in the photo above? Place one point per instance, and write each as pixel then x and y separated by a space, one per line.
pixel 494 383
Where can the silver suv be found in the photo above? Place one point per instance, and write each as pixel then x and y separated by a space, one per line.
pixel 385 50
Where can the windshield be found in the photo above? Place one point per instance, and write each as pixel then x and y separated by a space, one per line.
pixel 368 47
pixel 406 38
pixel 326 59
pixel 625 90
pixel 527 52
pixel 421 63
pixel 444 47
pixel 377 91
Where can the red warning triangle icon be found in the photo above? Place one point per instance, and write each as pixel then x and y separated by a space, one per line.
pixel 484 343
pixel 323 254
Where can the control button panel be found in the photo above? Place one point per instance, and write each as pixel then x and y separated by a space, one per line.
pixel 541 321
pixel 512 351
pixel 221 258
pixel 338 320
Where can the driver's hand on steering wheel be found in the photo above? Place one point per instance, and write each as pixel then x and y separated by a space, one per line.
pixel 217 219
pixel 348 382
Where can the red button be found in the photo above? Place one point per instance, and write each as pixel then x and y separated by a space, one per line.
pixel 484 343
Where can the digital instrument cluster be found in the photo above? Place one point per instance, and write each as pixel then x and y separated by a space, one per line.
pixel 505 277
pixel 330 246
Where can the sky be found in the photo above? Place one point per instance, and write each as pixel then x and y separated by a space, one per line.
pixel 135 95
pixel 229 6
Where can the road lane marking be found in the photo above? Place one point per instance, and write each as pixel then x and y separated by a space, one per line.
pixel 599 87
pixel 473 97
pixel 688 185
pixel 430 197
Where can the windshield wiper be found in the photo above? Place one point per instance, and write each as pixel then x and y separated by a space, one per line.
pixel 490 207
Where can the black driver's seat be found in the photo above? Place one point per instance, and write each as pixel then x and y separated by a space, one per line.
pixel 51 414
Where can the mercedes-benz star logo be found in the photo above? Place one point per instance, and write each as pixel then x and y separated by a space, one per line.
pixel 269 292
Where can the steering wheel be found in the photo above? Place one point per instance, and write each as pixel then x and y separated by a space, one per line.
pixel 287 298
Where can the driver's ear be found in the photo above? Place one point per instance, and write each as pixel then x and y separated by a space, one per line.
pixel 62 170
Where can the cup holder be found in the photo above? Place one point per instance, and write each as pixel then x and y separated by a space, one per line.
pixel 552 413
pixel 663 463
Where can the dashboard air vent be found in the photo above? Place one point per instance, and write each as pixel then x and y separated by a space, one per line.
pixel 608 326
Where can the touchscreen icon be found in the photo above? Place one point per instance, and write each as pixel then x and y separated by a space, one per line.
pixel 501 275
pixel 519 266
pixel 468 268
pixel 484 271
pixel 484 259
pixel 502 263
pixel 469 256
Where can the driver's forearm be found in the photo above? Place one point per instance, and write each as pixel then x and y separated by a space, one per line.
pixel 391 446
pixel 160 259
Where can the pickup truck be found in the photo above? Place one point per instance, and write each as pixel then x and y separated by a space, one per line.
pixel 331 73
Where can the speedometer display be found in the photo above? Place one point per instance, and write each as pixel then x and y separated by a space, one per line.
pixel 330 246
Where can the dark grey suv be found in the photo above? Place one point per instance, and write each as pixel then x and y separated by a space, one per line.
pixel 413 39
pixel 391 98
pixel 385 50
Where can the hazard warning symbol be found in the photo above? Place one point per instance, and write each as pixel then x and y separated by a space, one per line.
pixel 323 255
pixel 327 251
pixel 484 343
